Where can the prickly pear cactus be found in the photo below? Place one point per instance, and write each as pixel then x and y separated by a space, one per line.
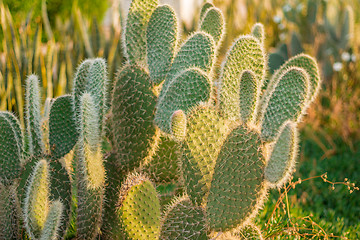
pixel 231 154
pixel 139 208
pixel 215 147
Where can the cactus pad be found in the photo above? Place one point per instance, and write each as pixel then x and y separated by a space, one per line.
pixel 53 221
pixel 139 208
pixel 197 51
pixel 133 104
pixel 91 172
pixel 237 187
pixel 258 32
pixel 37 200
pixel 213 23
pixel 135 31
pixel 63 134
pixel 288 101
pixel 10 148
pixel 184 221
pixel 190 88
pixel 33 118
pixel 246 54
pixel 178 125
pixel 204 9
pixel 248 97
pixel 206 132
pixel 302 61
pixel 282 159
pixel 162 38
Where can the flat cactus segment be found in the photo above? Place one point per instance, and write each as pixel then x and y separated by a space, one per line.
pixel 213 23
pixel 135 31
pixel 184 221
pixel 91 172
pixel 246 54
pixel 204 9
pixel 53 221
pixel 302 61
pixel 161 39
pixel 36 205
pixel 15 123
pixel 91 144
pixel 80 82
pixel 282 159
pixel 133 107
pixel 206 132
pixel 9 213
pixel 178 125
pixel 288 101
pixel 139 208
pixel 63 134
pixel 237 188
pixel 61 190
pixel 33 117
pixel 110 228
pixel 91 77
pixel 198 51
pixel 97 86
pixel 258 32
pixel 10 148
pixel 186 91
pixel 163 167
pixel 248 96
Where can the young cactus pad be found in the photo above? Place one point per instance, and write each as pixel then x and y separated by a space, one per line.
pixel 63 134
pixel 183 220
pixel 91 172
pixel 33 117
pixel 288 101
pixel 11 148
pixel 53 221
pixel 282 159
pixel 135 31
pixel 190 88
pixel 139 209
pixel 246 54
pixel 213 23
pixel 162 40
pixel 37 200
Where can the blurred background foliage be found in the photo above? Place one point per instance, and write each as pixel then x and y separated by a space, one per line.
pixel 50 38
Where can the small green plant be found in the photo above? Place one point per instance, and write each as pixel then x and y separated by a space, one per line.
pixel 217 145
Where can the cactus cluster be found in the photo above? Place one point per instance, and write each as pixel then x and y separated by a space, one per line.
pixel 216 143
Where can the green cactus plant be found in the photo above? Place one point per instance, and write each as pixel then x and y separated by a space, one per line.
pixel 220 152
